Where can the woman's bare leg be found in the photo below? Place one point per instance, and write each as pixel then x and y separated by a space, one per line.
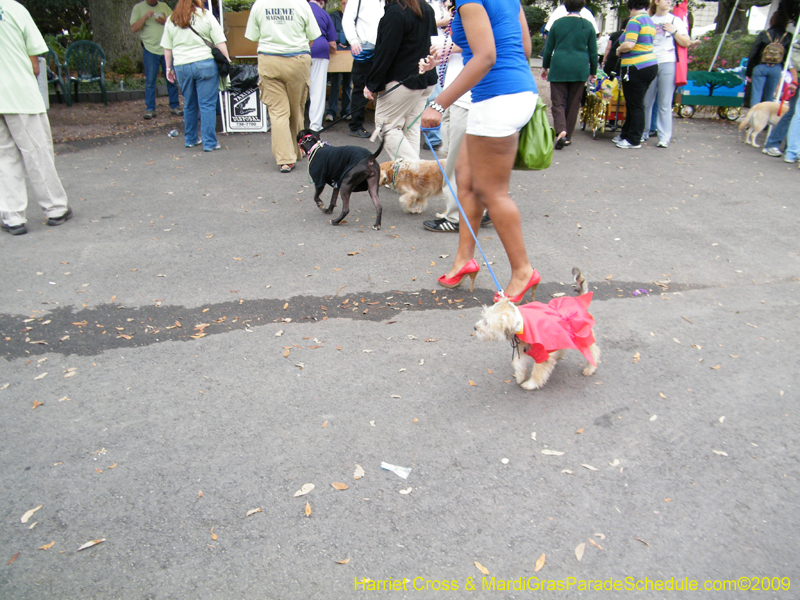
pixel 472 207
pixel 491 161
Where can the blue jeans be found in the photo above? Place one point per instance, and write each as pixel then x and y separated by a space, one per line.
pixel 152 63
pixel 793 138
pixel 765 79
pixel 346 80
pixel 782 128
pixel 199 83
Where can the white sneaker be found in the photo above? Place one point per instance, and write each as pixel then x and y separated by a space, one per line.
pixel 626 145
pixel 329 118
pixel 772 152
pixel 661 144
pixel 617 139
pixel 786 159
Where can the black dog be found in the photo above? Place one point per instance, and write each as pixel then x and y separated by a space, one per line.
pixel 349 168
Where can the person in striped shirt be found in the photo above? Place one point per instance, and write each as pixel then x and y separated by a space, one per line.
pixel 639 68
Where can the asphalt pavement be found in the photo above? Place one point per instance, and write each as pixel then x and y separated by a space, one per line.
pixel 198 343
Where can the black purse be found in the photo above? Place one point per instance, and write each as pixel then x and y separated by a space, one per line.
pixel 223 64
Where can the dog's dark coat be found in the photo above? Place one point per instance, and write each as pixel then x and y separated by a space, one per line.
pixel 346 168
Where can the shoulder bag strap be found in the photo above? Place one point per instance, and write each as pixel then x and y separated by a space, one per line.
pixel 209 44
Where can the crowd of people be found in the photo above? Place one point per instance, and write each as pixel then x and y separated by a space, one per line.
pixel 423 63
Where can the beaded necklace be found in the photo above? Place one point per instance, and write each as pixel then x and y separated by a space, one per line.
pixel 446 50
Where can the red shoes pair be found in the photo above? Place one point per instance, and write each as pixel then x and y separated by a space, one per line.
pixel 471 269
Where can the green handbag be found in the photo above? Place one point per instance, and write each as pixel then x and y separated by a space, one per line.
pixel 535 151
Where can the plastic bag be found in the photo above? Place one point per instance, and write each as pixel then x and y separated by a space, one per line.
pixel 243 77
pixel 535 151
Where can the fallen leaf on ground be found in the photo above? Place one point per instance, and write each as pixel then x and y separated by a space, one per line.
pixel 252 511
pixel 654 417
pixel 36 404
pixel 548 452
pixel 641 540
pixel 662 395
pixel 40 376
pixel 13 558
pixel 472 382
pixel 308 509
pixel 90 544
pixel 720 452
pixel 343 562
pixel 580 430
pixel 325 424
pixel 359 472
pixel 199 493
pixel 539 564
pixel 481 568
pixel 339 485
pixel 307 487
pixel 590 467
pixel 579 550
pixel 595 544
pixel 47 546
pixel 29 514
pixel 602 536
pixel 406 491
pixel 636 358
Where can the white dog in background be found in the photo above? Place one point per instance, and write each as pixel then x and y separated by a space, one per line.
pixel 542 333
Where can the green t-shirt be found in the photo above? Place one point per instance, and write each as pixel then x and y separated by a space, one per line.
pixel 186 46
pixel 282 26
pixel 153 30
pixel 19 40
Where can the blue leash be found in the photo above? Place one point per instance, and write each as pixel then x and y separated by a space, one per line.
pixel 464 218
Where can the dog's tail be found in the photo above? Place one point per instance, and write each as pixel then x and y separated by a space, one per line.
pixel 746 121
pixel 581 286
pixel 378 151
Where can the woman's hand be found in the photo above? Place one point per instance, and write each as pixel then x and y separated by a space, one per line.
pixel 355 48
pixel 368 95
pixel 544 74
pixel 171 75
pixel 430 118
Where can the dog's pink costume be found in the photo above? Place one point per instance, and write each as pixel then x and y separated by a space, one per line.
pixel 561 324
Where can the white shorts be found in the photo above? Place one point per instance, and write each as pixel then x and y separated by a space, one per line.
pixel 501 116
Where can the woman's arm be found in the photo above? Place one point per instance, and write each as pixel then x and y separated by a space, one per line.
pixel 526 34
pixel 223 47
pixel 168 65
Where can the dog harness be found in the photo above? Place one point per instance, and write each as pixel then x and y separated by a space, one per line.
pixel 328 165
pixel 560 324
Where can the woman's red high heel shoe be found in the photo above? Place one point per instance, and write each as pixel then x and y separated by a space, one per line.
pixel 471 269
pixel 533 283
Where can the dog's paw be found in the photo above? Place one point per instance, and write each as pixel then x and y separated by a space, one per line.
pixel 530 384
pixel 327 211
pixel 376 227
pixel 589 370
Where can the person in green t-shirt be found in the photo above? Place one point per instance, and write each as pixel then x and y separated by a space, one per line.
pixel 26 144
pixel 147 19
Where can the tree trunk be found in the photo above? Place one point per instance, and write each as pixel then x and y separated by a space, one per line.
pixel 112 30
pixel 739 22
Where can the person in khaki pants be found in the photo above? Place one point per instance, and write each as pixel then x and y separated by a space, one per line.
pixel 284 30
pixel 26 144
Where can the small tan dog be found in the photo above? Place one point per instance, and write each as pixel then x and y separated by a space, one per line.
pixel 416 180
pixel 759 116
pixel 540 334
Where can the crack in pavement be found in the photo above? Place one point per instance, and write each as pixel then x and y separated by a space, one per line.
pixel 91 331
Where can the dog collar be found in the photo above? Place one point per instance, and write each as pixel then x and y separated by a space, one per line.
pixel 395 171
pixel 314 149
pixel 519 322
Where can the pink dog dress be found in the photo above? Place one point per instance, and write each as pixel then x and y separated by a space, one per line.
pixel 561 324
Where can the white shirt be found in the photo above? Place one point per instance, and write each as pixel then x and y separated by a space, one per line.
pixel 664 42
pixel 562 11
pixel 366 29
